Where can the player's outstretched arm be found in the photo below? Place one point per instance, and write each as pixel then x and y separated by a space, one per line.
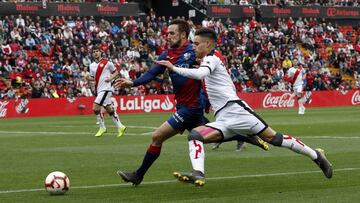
pixel 121 83
pixel 167 64
pixel 112 76
pixel 198 74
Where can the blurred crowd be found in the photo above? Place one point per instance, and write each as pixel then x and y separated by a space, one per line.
pixel 68 1
pixel 280 2
pixel 49 58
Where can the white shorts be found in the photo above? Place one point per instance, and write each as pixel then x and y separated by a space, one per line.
pixel 103 98
pixel 237 118
pixel 298 89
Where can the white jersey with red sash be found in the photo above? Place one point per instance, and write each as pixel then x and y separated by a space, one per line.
pixel 297 76
pixel 100 71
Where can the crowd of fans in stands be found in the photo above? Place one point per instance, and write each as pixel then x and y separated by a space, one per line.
pixel 280 2
pixel 50 57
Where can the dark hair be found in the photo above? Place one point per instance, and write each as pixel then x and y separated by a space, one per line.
pixel 95 47
pixel 206 32
pixel 183 26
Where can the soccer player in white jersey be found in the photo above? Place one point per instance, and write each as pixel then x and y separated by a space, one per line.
pixel 103 72
pixel 296 76
pixel 232 115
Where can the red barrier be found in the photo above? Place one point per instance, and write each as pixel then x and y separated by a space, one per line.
pixel 83 105
pixel 288 100
pixel 165 103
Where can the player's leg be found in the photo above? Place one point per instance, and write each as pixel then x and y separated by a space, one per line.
pixel 296 145
pixel 184 118
pixel 164 132
pixel 240 145
pixel 248 122
pixel 100 119
pixel 241 139
pixel 196 138
pixel 300 99
pixel 102 112
pixel 115 118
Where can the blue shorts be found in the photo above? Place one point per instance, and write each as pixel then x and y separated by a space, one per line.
pixel 187 118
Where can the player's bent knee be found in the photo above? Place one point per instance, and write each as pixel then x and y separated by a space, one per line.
pixel 96 111
pixel 111 113
pixel 195 135
pixel 277 139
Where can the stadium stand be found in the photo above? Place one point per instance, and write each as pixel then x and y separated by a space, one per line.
pixel 49 57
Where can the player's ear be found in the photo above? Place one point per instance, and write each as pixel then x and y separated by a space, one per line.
pixel 183 35
pixel 209 43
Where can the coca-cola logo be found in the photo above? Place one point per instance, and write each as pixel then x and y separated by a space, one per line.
pixel 282 101
pixel 3 109
pixel 333 12
pixel 355 98
pixel 147 105
pixel 220 10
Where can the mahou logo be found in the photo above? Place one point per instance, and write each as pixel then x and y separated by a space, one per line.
pixel 147 105
pixel 282 101
pixel 3 109
pixel 355 98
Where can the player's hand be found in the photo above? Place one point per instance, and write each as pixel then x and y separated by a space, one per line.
pixel 167 64
pixel 121 83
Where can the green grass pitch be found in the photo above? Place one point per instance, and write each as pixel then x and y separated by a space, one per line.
pixel 30 148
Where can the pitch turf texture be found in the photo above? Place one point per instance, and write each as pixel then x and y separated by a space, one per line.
pixel 31 148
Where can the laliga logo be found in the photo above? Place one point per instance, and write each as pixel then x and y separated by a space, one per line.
pixel 146 104
pixel 167 104
pixel 284 100
pixel 355 98
pixel 3 110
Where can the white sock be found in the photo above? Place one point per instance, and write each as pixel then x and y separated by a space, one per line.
pixel 116 120
pixel 297 146
pixel 100 119
pixel 197 155
pixel 301 103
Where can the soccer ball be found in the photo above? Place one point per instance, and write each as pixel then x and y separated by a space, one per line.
pixel 57 183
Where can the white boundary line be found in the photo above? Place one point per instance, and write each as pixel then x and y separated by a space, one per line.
pixel 172 181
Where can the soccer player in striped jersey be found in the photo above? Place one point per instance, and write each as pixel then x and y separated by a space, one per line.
pixel 232 115
pixel 295 75
pixel 103 72
pixel 188 95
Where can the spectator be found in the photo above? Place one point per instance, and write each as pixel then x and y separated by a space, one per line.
pixel 45 48
pixel 30 43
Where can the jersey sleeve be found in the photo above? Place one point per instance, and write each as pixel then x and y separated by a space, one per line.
pixel 111 66
pixel 291 72
pixel 92 72
pixel 151 74
pixel 197 74
pixel 207 66
pixel 209 62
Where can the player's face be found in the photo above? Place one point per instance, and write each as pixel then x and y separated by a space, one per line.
pixel 96 53
pixel 295 62
pixel 173 36
pixel 200 46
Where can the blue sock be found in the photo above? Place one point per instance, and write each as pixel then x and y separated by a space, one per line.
pixel 152 153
